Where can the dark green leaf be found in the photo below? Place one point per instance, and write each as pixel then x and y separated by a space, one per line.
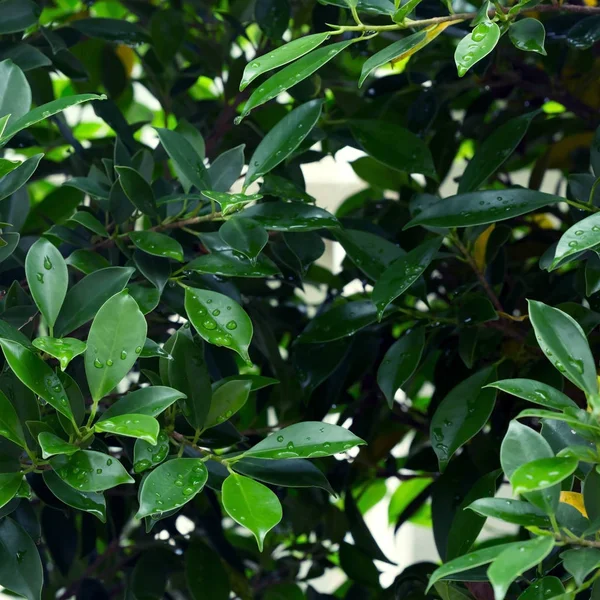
pixel 290 216
pixel 226 169
pixel 17 178
pixel 112 30
pixel 585 33
pixel 10 426
pixel 511 511
pixel 18 15
pixel 92 502
pixel 151 401
pixel 245 236
pixel 157 244
pixel 9 486
pixel 205 574
pixel 528 35
pixel 138 190
pixel 147 455
pixel 15 93
pixel 547 587
pixel 535 391
pixel 231 263
pixel 227 400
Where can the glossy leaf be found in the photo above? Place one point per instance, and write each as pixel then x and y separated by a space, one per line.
pixel 231 263
pixel 138 190
pixel 494 151
pixel 513 562
pixel 85 298
pixel 528 35
pixel 281 56
pixel 10 425
pixel 227 400
pixel 585 33
pixel 219 320
pixel 511 511
pixel 157 244
pixel 147 455
pixel 283 139
pixel 91 502
pixel 403 273
pixel 252 505
pixel 542 473
pixel 535 391
pixel 90 471
pixel 293 74
pixel 565 345
pixel 151 401
pixel 15 93
pixel 116 338
pixel 52 445
pixel 63 349
pixel 171 485
pixel 476 46
pixel 245 236
pixel 89 221
pixel 230 203
pixel 546 587
pixel 462 414
pixel 226 169
pixel 310 439
pixel 290 216
pixel 400 362
pixel 482 208
pixel 583 235
pixel 9 485
pixel 134 425
pixel 112 30
pixel 581 562
pixel 36 375
pixel 18 177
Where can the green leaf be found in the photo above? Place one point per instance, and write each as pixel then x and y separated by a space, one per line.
pixel 564 343
pixel 45 111
pixel 475 46
pixel 116 338
pixel 494 151
pixel 542 473
pixel 185 158
pixel 585 33
pixel 272 16
pixel 230 203
pixel 10 425
pixel 292 75
pixel 281 56
pixel 528 35
pixel 544 588
pixel 511 511
pixel 283 139
pixel 6 166
pixel 157 244
pixel 577 420
pixel 91 502
pixel 482 208
pixel 535 391
pixel 231 263
pixel 583 235
pixel 151 401
pixel 18 15
pixel 311 439
pixel 52 445
pixel 403 273
pixel 226 168
pixel 138 190
pixel 90 471
pixel 400 362
pixel 290 216
pixel 513 562
pixel 17 178
pixel 462 414
pixel 20 565
pixel 219 320
pixel 147 455
pixel 112 30
pixel 251 505
pixel 581 562
pixel 12 241
pixel 469 561
pixel 36 375
pixel 63 349
pixel 89 221
pixel 87 261
pixel 245 236
pixel 9 486
pixel 134 425
pixel 287 473
pixel 85 298
pixel 205 574
pixel 15 93
pixel 394 146
pixel 227 400
pixel 47 277
pixel 171 485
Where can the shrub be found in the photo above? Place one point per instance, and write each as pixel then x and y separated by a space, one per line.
pixel 192 404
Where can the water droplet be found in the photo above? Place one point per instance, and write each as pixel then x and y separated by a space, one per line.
pixel 209 324
pixel 98 364
pixel 188 491
pixel 216 312
pixel 123 354
pixel 109 363
pixel 99 471
pixel 109 462
pixel 47 263
pixel 231 325
pixel 138 349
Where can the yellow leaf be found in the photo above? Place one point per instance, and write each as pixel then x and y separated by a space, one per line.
pixel 127 57
pixel 590 2
pixel 480 247
pixel 575 499
pixel 430 34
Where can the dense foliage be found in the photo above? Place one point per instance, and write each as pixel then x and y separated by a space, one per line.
pixel 192 404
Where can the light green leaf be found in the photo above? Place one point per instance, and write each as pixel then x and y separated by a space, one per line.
pixel 494 151
pixel 36 375
pixel 402 273
pixel 134 425
pixel 293 74
pixel 52 445
pixel 281 56
pixel 157 244
pixel 47 277
pixel 311 439
pixel 63 349
pixel 230 203
pixel 581 562
pixel 542 473
pixel 15 93
pixel 251 505
pixel 147 456
pixel 475 46
pixel 290 216
pixel 9 486
pixel 283 139
pixel 116 338
pixel 91 502
pixel 583 235
pixel 10 425
pixel 565 345
pixel 227 400
pixel 513 562
pixel 7 166
pixel 219 320
pixel 151 401
pixel 512 511
pixel 171 485
pixel 90 471
pixel 245 236
pixel 400 362
pixel 528 35
pixel 18 177
pixel 535 391
pixel 481 208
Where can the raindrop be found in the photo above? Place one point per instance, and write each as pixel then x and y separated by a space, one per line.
pixel 123 354
pixel 47 263
pixel 109 363
pixel 138 349
pixel 98 364
pixel 231 325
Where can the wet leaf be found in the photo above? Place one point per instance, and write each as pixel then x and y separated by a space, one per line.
pixel 134 425
pixel 63 349
pixel 9 486
pixel 528 35
pixel 535 391
pixel 290 216
pixel 245 236
pixel 52 445
pixel 511 511
pixel 227 400
pixel 476 46
pixel 147 456
pixel 151 401
pixel 542 473
pixel 10 425
pixel 91 502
